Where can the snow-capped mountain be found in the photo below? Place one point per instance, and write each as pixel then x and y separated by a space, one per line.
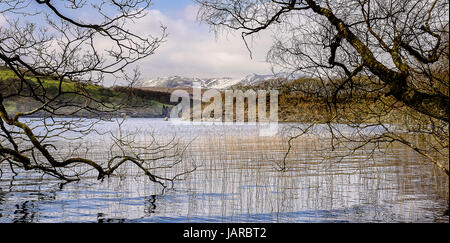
pixel 209 83
pixel 185 82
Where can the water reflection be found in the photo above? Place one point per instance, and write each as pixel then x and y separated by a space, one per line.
pixel 237 181
pixel 101 219
pixel 150 207
pixel 25 212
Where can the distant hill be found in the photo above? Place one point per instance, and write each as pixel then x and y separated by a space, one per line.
pixel 299 99
pixel 130 101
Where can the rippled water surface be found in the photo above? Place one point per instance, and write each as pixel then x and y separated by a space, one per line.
pixel 237 180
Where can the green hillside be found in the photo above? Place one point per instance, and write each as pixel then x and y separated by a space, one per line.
pixel 112 101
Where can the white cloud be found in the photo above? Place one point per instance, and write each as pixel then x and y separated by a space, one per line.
pixel 3 22
pixel 192 50
pixel 190 13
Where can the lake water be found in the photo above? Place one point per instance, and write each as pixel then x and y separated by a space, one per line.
pixel 237 180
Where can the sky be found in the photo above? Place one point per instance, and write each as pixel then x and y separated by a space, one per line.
pixel 192 50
